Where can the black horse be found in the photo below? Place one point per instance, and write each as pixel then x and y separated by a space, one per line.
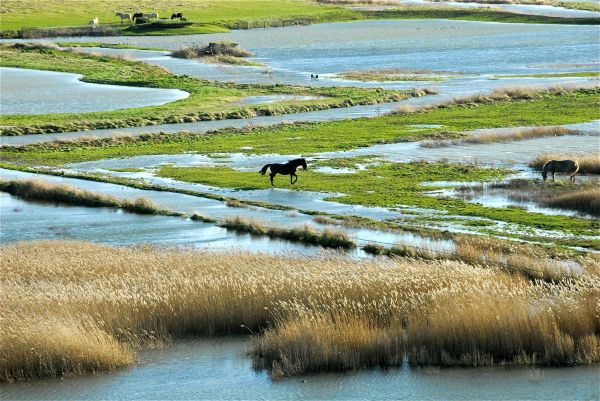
pixel 288 168
pixel 177 16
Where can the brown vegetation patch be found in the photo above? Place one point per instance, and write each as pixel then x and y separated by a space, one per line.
pixel 588 163
pixel 70 307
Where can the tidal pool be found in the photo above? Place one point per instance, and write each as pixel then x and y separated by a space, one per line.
pixel 217 368
pixel 26 91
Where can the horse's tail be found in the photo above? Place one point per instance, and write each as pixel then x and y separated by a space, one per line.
pixel 264 169
pixel 576 167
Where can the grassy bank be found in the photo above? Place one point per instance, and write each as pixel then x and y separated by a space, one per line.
pixel 541 109
pixel 45 191
pixel 389 185
pixel 328 238
pixel 207 100
pixel 51 13
pixel 474 14
pixel 47 18
pixel 102 303
pixel 395 74
pixel 518 134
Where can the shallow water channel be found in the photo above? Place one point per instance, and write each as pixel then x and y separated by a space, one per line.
pixel 41 92
pixel 218 369
pixel 22 220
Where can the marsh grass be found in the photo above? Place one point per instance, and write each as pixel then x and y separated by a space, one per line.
pixel 306 234
pixel 72 307
pixel 589 163
pixel 324 343
pixel 584 197
pixel 216 53
pixel 531 261
pixel 586 200
pixel 517 134
pixel 45 191
pixel 197 216
pixel 396 74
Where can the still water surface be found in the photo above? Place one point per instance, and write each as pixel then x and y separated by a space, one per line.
pixel 217 369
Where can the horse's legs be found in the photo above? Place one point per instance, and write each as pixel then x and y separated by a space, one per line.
pixel 291 176
pixel 272 175
pixel 553 175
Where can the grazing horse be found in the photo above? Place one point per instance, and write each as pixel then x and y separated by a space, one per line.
pixel 137 15
pixel 151 15
pixel 124 16
pixel 288 168
pixel 93 22
pixel 177 16
pixel 570 167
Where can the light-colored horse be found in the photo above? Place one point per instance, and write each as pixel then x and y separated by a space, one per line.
pixel 124 16
pixel 93 22
pixel 151 15
pixel 570 167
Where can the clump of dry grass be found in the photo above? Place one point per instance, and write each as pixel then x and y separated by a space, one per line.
pixel 197 216
pixel 518 134
pixel 306 234
pixel 585 200
pixel 70 307
pixel 45 191
pixel 322 343
pixel 588 163
pixel 216 52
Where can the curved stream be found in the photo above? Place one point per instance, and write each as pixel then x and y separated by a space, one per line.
pixel 26 91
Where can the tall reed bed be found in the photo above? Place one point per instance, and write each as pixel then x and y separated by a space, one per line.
pixel 71 307
pixel 588 163
pixel 46 191
pixel 306 234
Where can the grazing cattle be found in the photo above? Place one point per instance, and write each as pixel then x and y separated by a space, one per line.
pixel 124 16
pixel 93 22
pixel 177 16
pixel 288 168
pixel 150 15
pixel 570 167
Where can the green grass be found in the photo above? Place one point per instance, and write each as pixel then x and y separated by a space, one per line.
pixel 475 14
pixel 580 5
pixel 392 75
pixel 306 138
pixel 211 16
pixel 207 101
pixel 554 75
pixel 53 13
pixel 388 185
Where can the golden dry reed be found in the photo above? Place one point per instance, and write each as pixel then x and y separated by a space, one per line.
pixel 72 307
pixel 46 191
pixel 588 163
pixel 517 134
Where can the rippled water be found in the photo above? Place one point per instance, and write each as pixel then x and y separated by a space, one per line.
pixel 218 369
pixel 294 53
pixel 40 92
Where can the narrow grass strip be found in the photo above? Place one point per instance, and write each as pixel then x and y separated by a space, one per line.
pixel 45 191
pixel 306 234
